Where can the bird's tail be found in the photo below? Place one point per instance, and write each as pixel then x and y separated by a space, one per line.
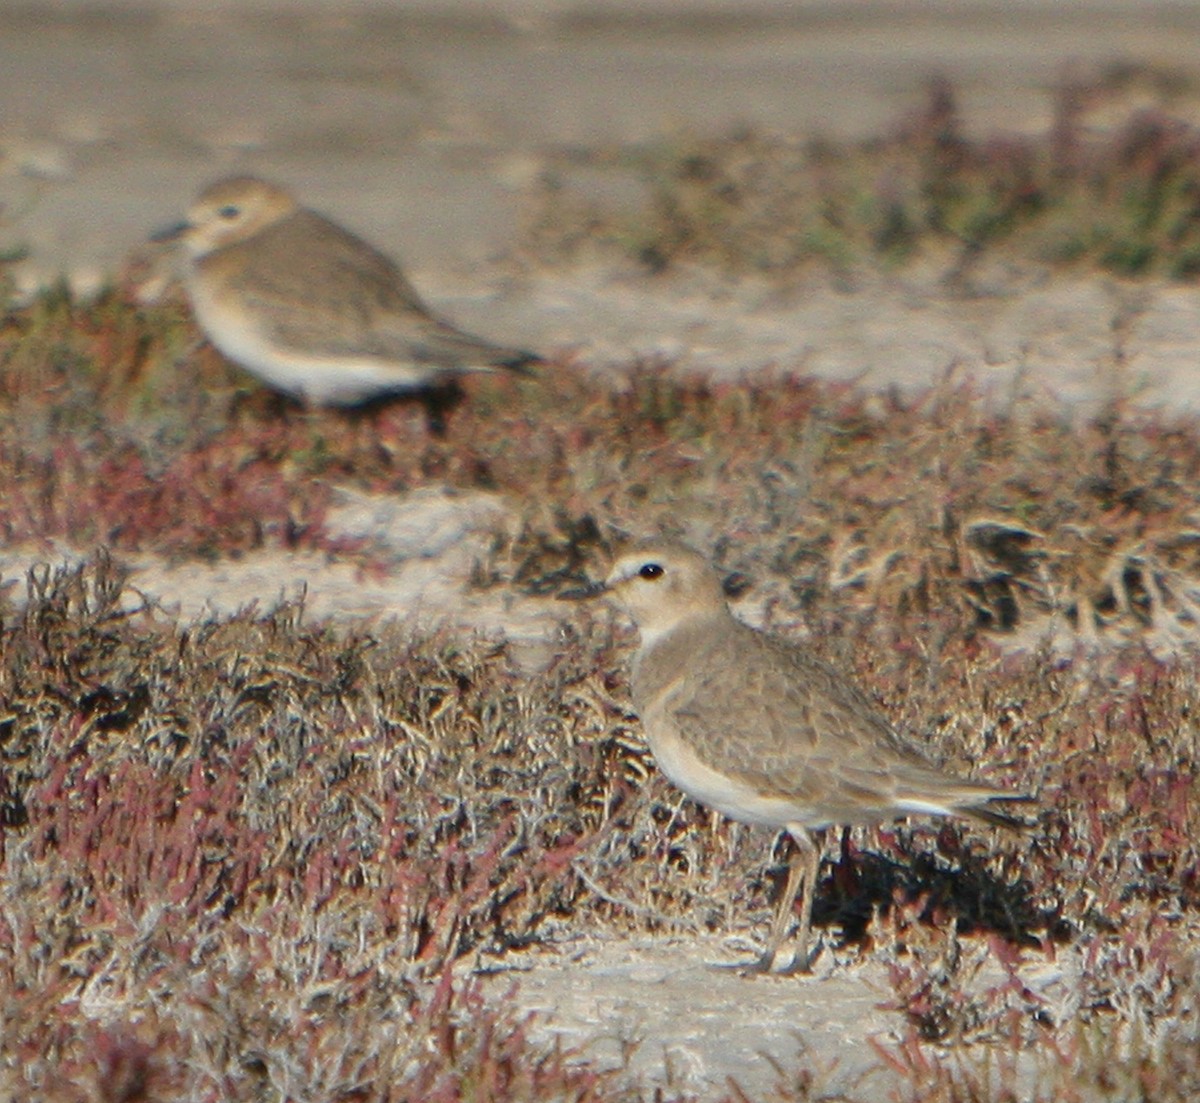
pixel 521 361
pixel 987 810
pixel 441 343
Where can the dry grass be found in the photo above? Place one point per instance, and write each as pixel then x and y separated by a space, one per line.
pixel 241 857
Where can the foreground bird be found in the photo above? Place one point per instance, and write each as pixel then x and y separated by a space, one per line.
pixel 312 310
pixel 759 729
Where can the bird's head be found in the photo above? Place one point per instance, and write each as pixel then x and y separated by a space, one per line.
pixel 661 585
pixel 229 211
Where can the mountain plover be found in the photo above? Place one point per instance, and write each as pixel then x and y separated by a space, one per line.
pixel 759 729
pixel 309 308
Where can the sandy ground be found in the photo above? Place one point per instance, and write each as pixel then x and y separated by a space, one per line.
pixel 633 1004
pixel 423 131
pixel 683 1012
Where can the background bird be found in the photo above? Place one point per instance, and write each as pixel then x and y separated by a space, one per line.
pixel 312 310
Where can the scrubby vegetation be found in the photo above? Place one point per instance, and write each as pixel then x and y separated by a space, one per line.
pixel 1113 183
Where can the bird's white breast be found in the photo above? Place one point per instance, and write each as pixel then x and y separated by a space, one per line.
pixel 324 380
pixel 733 796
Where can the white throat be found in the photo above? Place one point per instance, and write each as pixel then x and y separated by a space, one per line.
pixel 653 635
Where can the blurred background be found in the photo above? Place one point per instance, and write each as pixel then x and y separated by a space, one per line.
pixel 425 125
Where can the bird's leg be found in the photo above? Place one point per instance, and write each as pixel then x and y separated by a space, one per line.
pixel 847 876
pixel 797 865
pixel 803 867
pixel 440 401
pixel 812 849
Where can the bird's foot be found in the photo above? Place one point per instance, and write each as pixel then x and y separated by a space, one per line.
pixel 779 961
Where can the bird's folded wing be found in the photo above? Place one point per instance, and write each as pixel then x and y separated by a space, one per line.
pixel 789 723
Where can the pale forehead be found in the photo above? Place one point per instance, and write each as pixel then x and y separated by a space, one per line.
pixel 239 189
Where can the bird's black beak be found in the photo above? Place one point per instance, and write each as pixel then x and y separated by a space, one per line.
pixel 592 589
pixel 735 584
pixel 170 233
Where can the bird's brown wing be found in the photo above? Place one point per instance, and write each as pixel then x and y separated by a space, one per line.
pixel 363 305
pixel 792 726
pixel 308 275
pixel 438 342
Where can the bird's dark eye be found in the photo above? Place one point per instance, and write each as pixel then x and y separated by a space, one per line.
pixel 229 211
pixel 650 570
